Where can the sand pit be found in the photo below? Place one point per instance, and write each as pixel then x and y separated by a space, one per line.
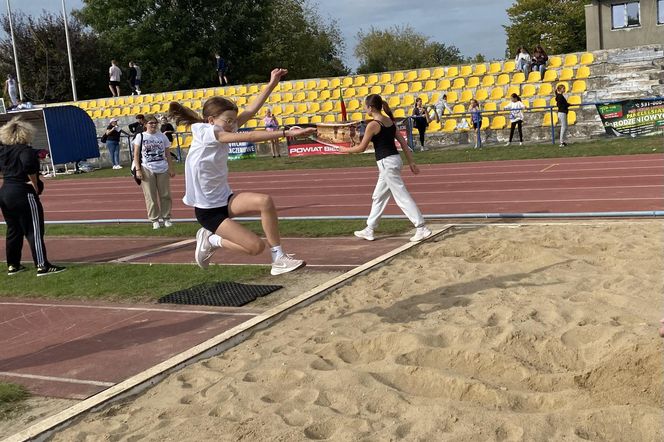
pixel 499 333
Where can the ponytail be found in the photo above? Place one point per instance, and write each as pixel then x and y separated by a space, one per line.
pixel 387 110
pixel 375 101
pixel 183 115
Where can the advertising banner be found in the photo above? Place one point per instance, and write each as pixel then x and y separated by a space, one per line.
pixel 241 151
pixel 632 117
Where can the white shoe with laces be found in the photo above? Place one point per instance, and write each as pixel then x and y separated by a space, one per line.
pixel 286 263
pixel 156 225
pixel 420 234
pixel 366 233
pixel 204 249
pixel 168 223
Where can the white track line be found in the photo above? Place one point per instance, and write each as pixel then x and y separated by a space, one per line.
pixel 57 379
pixel 133 309
pixel 151 252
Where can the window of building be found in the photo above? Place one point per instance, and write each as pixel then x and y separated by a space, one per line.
pixel 660 12
pixel 626 15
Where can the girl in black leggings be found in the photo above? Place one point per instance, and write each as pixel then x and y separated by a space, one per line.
pixel 19 198
pixel 421 120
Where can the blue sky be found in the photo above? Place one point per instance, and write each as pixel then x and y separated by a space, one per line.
pixel 472 26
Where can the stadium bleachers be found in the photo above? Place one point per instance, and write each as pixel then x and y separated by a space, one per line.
pixel 317 100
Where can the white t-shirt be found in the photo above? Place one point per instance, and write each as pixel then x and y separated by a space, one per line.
pixel 153 151
pixel 114 73
pixel 516 110
pixel 206 170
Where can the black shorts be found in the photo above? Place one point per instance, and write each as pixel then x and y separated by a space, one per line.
pixel 114 83
pixel 211 219
pixel 477 125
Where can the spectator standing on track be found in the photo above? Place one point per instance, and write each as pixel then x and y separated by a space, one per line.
pixel 523 60
pixel 19 197
pixel 114 77
pixel 167 129
pixel 271 124
pixel 382 132
pixel 155 169
pixel 476 119
pixel 516 108
pixel 539 60
pixel 563 109
pixel 206 179
pixel 421 120
pixel 112 136
pixel 222 68
pixel 11 90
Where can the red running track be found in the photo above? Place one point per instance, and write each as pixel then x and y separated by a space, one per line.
pixel 590 184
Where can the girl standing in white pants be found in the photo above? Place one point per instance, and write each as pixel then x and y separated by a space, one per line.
pixel 382 131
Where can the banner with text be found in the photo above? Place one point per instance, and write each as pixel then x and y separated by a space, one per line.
pixel 632 117
pixel 241 151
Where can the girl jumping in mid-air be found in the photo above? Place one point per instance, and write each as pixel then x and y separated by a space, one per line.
pixel 206 180
pixel 382 131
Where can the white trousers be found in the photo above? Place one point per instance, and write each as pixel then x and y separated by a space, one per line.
pixel 390 183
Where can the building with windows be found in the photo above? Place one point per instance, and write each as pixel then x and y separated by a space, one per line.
pixel 624 23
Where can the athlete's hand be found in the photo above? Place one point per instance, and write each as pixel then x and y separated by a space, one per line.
pixel 171 173
pixel 414 169
pixel 276 75
pixel 300 132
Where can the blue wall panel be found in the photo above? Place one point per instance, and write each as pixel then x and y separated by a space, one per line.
pixel 71 133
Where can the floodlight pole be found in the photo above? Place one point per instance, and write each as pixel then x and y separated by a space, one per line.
pixel 71 62
pixel 11 31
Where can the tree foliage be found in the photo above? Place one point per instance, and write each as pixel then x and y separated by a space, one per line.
pixel 174 40
pixel 42 56
pixel 558 25
pixel 402 48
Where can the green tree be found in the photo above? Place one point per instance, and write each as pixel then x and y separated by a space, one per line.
pixel 558 25
pixel 42 56
pixel 443 55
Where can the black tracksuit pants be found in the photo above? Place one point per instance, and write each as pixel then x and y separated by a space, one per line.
pixel 24 216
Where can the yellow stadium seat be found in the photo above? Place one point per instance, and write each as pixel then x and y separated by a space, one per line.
pixel 466 71
pixel 402 88
pixel 552 102
pixel 399 113
pixel 571 60
pixel 388 89
pixel 200 93
pixel 82 104
pixel 327 106
pixel 150 98
pixel 135 110
pixel 385 78
pixel 301 108
pixel 170 96
pixel 434 97
pixel 528 90
pixel 583 72
pixel 480 69
pixel 450 125
pixel 482 94
pixel 323 84
pixel 443 84
pixel 574 100
pixel 311 84
pixel 376 90
pixel 502 80
pixel 452 96
pixel 550 76
pixel 411 76
pixel 316 119
pixel 330 118
pixel 539 102
pixel 398 77
pixel 424 98
pixel 490 106
pixel 110 102
pixel 566 74
pixel 209 93
pixel 458 109
pixel 252 123
pixel 312 96
pixel 300 96
pixel 547 119
pixel 359 80
pixel 473 82
pixel 438 73
pixel 187 141
pixel 145 109
pixel 588 58
pixel 571 118
pixel 434 126
pixel 90 113
pixel 303 119
pixel 288 109
pixel 495 68
pixel 372 79
pixel 164 107
pixel 459 83
pixel 274 98
pixel 555 62
pixel 347 82
pixel 120 101
pixel 357 116
pixel 497 93
pixel 513 90
pixel 353 104
pixel 127 110
pixel 188 95
pixel 314 107
pixel 545 89
pixel 564 83
pixel 485 122
pixel 335 94
pixel 579 86
pixel 424 74
pixel 92 104
pixel 452 72
pixel 488 80
pixel 393 102
pixel 156 108
pixel 287 97
pixel 429 86
pixel 116 112
pixel 498 122
pixel 289 121
pixel 335 83
pixel 415 86
pixel 509 66
pixel 106 113
pixel 324 95
pixel 179 96
pixel 466 95
pixel 518 78
pixel 102 102
pixel 97 114
pixel 298 86
pixel 408 100
pixel 534 77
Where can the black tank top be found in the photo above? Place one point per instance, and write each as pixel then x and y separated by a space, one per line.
pixel 383 141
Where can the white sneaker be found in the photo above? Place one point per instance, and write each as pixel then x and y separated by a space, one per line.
pixel 286 263
pixel 420 234
pixel 168 223
pixel 204 250
pixel 115 167
pixel 520 143
pixel 156 225
pixel 507 144
pixel 366 233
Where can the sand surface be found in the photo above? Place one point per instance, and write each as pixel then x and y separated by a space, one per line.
pixel 531 333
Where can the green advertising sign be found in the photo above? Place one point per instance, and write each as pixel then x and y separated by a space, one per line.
pixel 632 117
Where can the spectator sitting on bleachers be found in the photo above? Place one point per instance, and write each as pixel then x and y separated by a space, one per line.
pixel 442 107
pixel 523 60
pixel 539 60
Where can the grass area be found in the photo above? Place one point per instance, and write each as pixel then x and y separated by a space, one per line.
pixel 493 152
pixel 121 282
pixel 288 228
pixel 11 398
